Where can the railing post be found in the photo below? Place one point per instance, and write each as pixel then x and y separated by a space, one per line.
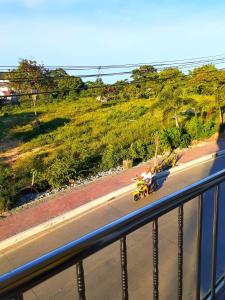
pixel 155 260
pixel 80 281
pixel 180 251
pixel 20 280
pixel 124 274
pixel 199 247
pixel 18 297
pixel 214 247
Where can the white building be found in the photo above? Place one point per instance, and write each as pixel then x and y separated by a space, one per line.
pixel 5 89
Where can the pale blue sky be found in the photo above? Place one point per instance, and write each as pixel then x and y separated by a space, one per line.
pixel 97 32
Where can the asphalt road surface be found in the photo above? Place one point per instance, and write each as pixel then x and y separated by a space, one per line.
pixel 102 270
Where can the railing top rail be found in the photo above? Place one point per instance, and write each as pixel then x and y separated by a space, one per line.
pixel 44 267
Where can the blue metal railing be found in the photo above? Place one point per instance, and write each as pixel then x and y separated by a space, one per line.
pixel 14 283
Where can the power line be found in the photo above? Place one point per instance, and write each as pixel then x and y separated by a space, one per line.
pixel 160 63
pixel 182 76
pixel 97 75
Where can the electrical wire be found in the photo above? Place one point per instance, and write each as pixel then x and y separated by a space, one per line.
pixel 160 63
pixel 21 79
pixel 105 86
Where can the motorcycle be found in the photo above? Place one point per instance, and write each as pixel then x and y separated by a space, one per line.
pixel 142 189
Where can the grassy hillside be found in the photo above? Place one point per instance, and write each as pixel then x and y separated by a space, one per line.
pixel 83 136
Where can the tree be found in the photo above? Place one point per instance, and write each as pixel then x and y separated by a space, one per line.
pixel 220 102
pixel 70 85
pixel 30 78
pixel 30 75
pixel 171 102
pixel 204 80
pixel 144 82
pixel 144 72
pixel 57 73
pixel 95 88
pixel 172 92
pixel 173 77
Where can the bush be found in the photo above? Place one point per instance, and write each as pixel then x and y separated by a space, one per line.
pixel 138 150
pixel 185 140
pixel 113 156
pixel 58 172
pixel 7 188
pixel 199 129
pixel 173 138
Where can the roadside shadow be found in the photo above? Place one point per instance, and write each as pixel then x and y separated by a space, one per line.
pixel 207 234
pixel 161 181
pixel 165 171
pixel 190 235
pixel 42 129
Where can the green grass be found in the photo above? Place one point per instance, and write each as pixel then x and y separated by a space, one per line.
pixel 79 137
pixel 82 121
pixel 83 126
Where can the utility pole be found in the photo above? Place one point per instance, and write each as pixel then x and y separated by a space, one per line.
pixel 34 99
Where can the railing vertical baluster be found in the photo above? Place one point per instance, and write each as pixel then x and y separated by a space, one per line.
pixel 80 280
pixel 155 260
pixel 214 247
pixel 18 297
pixel 180 251
pixel 124 274
pixel 199 247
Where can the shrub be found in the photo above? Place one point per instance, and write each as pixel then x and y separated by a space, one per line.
pixel 7 188
pixel 173 138
pixel 58 172
pixel 113 156
pixel 138 150
pixel 199 129
pixel 185 140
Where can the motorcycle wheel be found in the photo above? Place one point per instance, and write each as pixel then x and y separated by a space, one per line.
pixel 136 197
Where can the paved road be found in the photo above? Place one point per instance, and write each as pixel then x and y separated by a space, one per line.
pixel 102 270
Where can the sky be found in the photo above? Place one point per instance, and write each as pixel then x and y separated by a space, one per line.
pixel 102 32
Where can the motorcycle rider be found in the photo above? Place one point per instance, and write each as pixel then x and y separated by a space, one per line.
pixel 147 177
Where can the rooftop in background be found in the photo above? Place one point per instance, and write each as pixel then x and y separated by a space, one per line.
pixel 5 90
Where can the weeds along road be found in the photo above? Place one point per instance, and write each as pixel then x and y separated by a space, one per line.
pixel 102 270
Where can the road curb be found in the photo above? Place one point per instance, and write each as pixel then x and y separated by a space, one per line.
pixel 32 232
